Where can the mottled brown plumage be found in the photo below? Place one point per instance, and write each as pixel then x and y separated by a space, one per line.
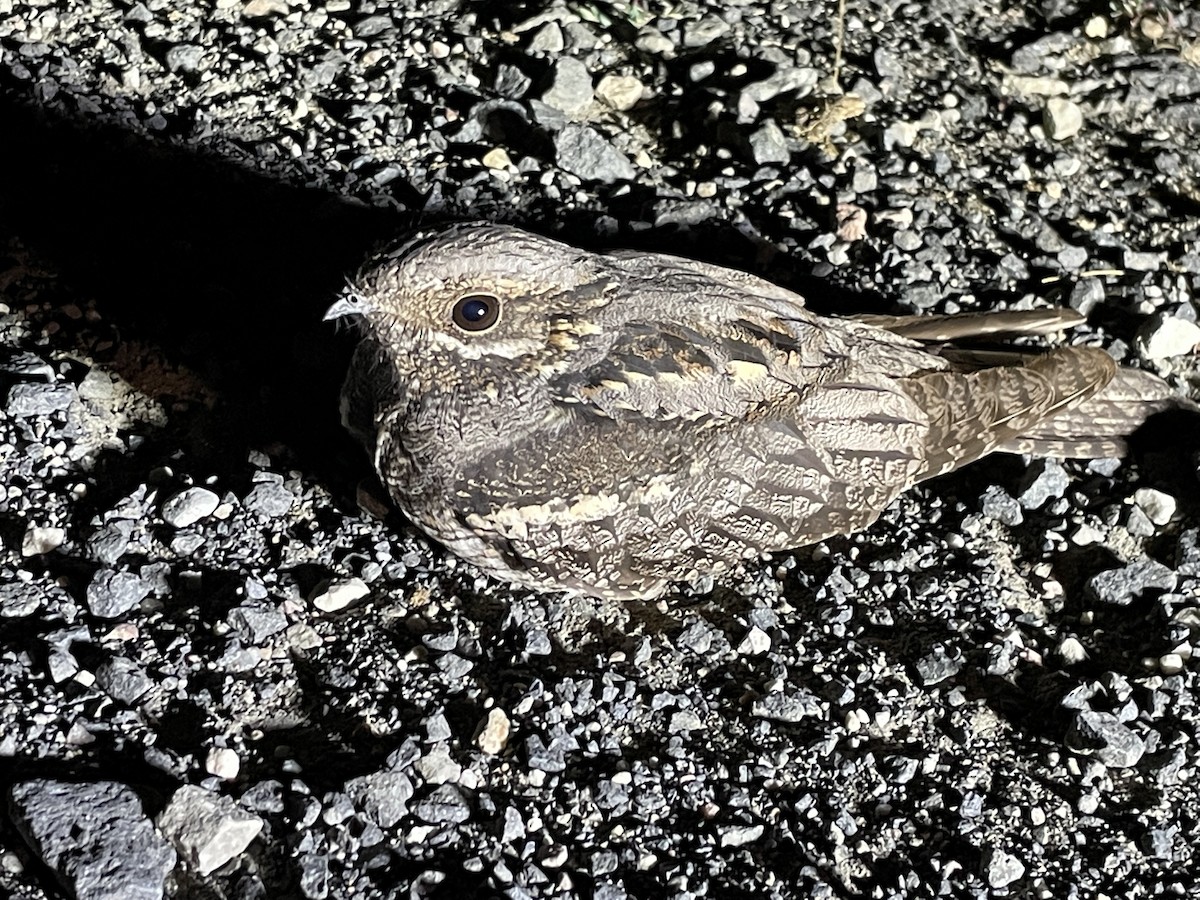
pixel 612 423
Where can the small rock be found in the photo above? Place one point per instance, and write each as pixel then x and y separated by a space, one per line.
pixel 270 499
pixel 1045 480
pixel 383 796
pixel 257 9
pixel 446 805
pixel 620 92
pixel 112 594
pixel 1062 118
pixel 1086 294
pixel 548 39
pixel 791 707
pixel 1164 337
pixel 95 837
pixel 1143 260
pixel 997 504
pixel 497 158
pixel 703 32
pixel 570 87
pixel 185 58
pixel 1158 507
pixel 39 540
pixel 653 42
pixel 900 134
pixel 937 666
pixel 189 506
pixel 26 365
pixel 26 400
pixel 337 595
pixel 1103 736
pixel 255 623
pixel 123 680
pixel 739 835
pixel 1171 663
pixel 781 81
pixel 19 599
pixel 223 763
pixel 1072 651
pixel 769 145
pixel 756 641
pixel 492 735
pixel 583 152
pixel 207 829
pixel 436 767
pixel 1000 869
pixel 1119 586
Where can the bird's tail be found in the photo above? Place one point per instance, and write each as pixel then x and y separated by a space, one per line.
pixel 1098 427
pixel 1070 402
pixel 974 413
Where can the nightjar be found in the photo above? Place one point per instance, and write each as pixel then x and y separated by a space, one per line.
pixel 610 423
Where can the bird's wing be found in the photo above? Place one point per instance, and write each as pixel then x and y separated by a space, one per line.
pixel 968 326
pixel 738 365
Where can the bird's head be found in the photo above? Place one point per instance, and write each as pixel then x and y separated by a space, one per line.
pixel 479 294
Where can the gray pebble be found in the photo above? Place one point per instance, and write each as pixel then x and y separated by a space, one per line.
pixel 704 32
pixel 186 58
pixel 123 680
pixel 1103 736
pixel 26 400
pixel 256 623
pixel 189 506
pixel 445 805
pixel 1086 294
pixel 1000 869
pixel 1045 480
pixel 547 40
pixel 570 88
pixel 583 152
pixel 999 505
pixel 383 796
pixel 113 594
pixel 270 500
pixel 26 365
pixel 207 829
pixel 1143 260
pixel 19 599
pixel 783 80
pixel 1062 119
pixel 95 837
pixel 739 835
pixel 1119 586
pixel 769 145
pixel 791 707
pixel 937 666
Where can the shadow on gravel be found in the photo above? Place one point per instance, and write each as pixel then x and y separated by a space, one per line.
pixel 225 271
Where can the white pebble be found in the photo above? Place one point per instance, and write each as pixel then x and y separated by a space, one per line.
pixel 338 595
pixel 1158 507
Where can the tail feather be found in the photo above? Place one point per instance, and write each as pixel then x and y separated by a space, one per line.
pixel 966 326
pixel 1098 427
pixel 973 413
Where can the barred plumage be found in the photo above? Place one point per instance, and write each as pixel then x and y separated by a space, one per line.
pixel 613 423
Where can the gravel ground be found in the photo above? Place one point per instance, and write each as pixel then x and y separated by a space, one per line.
pixel 229 672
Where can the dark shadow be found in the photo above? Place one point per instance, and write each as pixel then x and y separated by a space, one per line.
pixel 225 271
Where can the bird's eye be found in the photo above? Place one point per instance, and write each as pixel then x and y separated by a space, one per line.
pixel 476 312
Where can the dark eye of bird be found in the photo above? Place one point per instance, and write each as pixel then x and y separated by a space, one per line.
pixel 476 312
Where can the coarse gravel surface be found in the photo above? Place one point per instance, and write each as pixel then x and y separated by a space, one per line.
pixel 227 670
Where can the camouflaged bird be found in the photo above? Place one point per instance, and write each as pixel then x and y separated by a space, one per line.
pixel 611 423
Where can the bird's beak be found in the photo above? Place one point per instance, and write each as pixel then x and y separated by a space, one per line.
pixel 350 303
